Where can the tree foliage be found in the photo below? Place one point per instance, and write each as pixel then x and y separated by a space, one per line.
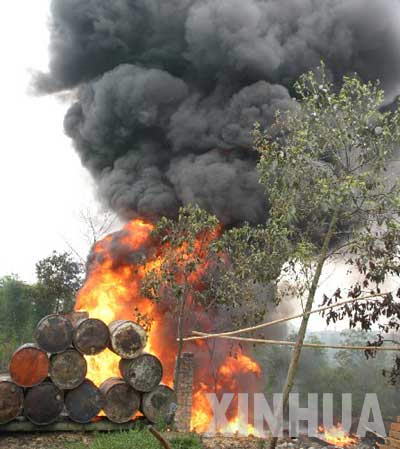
pixel 199 275
pixel 325 167
pixel 59 278
pixel 22 305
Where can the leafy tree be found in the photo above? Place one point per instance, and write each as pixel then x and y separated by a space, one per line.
pixel 199 275
pixel 16 306
pixel 23 305
pixel 323 164
pixel 16 316
pixel 59 278
pixel 185 253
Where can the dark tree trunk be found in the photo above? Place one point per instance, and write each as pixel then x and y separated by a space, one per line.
pixel 181 316
pixel 294 361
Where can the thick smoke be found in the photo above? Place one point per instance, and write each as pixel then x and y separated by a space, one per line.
pixel 168 91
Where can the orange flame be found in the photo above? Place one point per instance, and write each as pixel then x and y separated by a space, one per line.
pixel 229 374
pixel 336 436
pixel 112 291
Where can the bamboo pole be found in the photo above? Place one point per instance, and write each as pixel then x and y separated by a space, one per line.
pixel 204 335
pixel 308 345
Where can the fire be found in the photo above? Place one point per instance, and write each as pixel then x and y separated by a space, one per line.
pixel 337 436
pixel 230 373
pixel 202 412
pixel 239 363
pixel 112 291
pixel 238 426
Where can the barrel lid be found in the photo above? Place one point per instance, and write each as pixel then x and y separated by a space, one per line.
pixel 43 403
pixel 143 373
pixel 54 333
pixel 84 333
pixel 128 338
pixel 68 369
pixel 161 402
pixel 29 365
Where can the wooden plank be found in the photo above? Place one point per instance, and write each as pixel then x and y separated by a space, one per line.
pixel 383 446
pixel 395 426
pixel 393 442
pixel 394 434
pixel 99 425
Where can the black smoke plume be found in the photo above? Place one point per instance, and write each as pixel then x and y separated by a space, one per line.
pixel 168 90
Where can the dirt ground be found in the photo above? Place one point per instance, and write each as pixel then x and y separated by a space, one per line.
pixel 42 441
pixel 233 443
pixel 59 440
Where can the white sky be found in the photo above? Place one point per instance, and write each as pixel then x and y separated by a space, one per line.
pixel 42 184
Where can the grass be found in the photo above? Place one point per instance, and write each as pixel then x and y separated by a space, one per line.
pixel 137 439
pixel 186 442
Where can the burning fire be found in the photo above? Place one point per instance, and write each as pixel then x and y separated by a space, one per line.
pixel 337 436
pixel 112 291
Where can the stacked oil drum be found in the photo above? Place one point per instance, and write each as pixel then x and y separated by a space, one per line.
pixel 47 380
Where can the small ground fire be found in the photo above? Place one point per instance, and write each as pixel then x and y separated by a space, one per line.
pixel 112 291
pixel 337 436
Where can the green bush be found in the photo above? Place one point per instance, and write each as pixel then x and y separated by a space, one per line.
pixel 136 439
pixel 186 442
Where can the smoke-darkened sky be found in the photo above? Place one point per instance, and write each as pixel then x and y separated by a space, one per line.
pixel 168 91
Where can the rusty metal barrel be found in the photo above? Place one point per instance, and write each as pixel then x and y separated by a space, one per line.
pixel 54 333
pixel 29 365
pixel 68 369
pixel 143 373
pixel 159 404
pixel 11 400
pixel 127 339
pixel 84 402
pixel 121 400
pixel 43 404
pixel 91 336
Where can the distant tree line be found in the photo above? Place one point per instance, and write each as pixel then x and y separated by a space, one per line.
pixel 344 371
pixel 22 305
